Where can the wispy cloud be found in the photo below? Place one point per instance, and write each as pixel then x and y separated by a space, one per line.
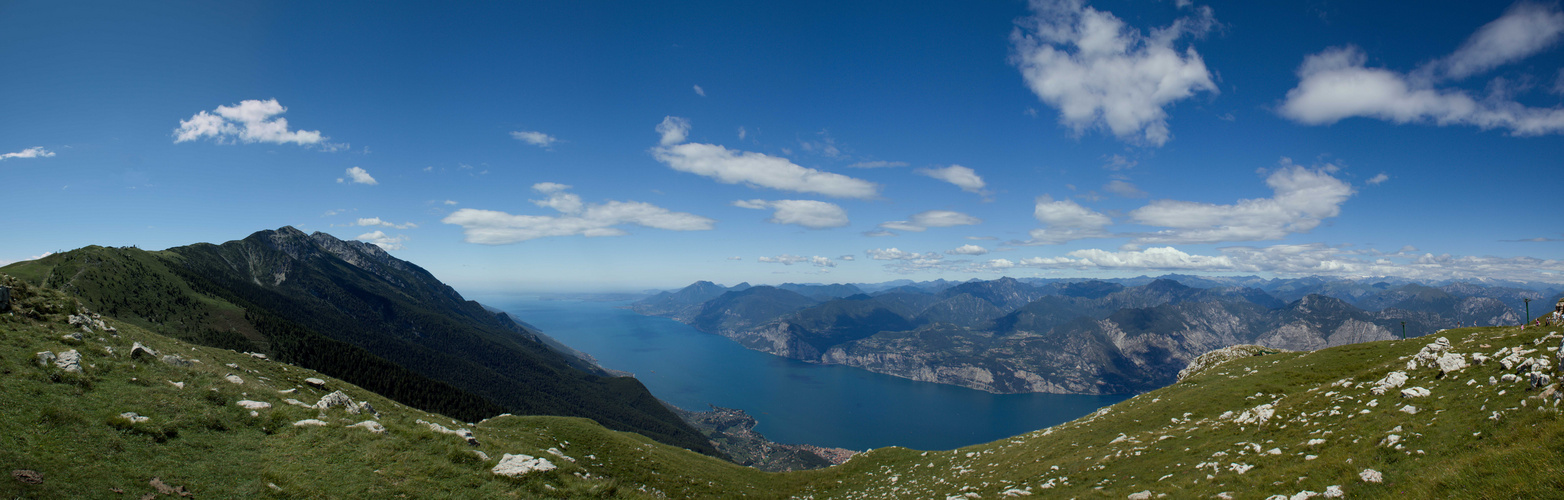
pixel 962 177
pixel 749 168
pixel 807 213
pixel 380 239
pixel 491 227
pixel 376 221
pixel 700 91
pixel 534 138
pixel 878 164
pixel 788 260
pixel 921 221
pixel 34 152
pixel 1337 84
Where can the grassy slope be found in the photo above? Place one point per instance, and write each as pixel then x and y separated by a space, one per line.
pixel 62 425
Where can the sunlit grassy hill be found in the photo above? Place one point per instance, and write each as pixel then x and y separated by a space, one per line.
pixel 1477 433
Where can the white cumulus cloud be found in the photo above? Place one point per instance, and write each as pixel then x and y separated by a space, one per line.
pixel 33 152
pixel 673 129
pixel 749 168
pixel 1101 73
pixel 963 177
pixel 1066 220
pixel 359 176
pixel 534 138
pixel 1303 198
pixel 808 213
pixel 248 121
pixel 491 227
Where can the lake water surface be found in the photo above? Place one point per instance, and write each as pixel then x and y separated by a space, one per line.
pixel 795 402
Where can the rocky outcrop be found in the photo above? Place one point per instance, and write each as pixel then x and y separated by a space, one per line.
pixel 1217 357
pixel 520 465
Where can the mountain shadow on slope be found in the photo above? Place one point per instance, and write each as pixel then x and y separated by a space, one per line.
pixel 352 311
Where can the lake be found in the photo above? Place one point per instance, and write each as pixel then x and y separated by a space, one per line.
pixel 795 402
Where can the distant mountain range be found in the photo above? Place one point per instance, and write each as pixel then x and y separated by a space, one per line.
pixel 352 311
pixel 1081 336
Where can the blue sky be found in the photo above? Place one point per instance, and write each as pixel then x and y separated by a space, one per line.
pixel 570 146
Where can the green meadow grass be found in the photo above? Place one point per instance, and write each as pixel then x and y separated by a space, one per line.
pixel 67 427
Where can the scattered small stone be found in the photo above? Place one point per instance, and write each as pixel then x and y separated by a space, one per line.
pixel 234 378
pixel 253 405
pixel 167 489
pixel 315 382
pixel 27 476
pixel 45 358
pixel 1415 392
pixel 177 385
pixel 1333 491
pixel 310 421
pixel 1140 495
pixel 175 360
pixel 133 417
pixel 481 455
pixel 1409 409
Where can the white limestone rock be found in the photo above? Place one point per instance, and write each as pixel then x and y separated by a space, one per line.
pixel 174 360
pixel 1450 362
pixel 234 379
pixel 375 427
pixel 1391 381
pixel 253 405
pixel 46 358
pixel 133 417
pixel 519 465
pixel 69 361
pixel 315 382
pixel 137 350
pixel 1371 476
pixel 310 422
pixel 1256 416
pixel 463 433
pixel 1415 392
